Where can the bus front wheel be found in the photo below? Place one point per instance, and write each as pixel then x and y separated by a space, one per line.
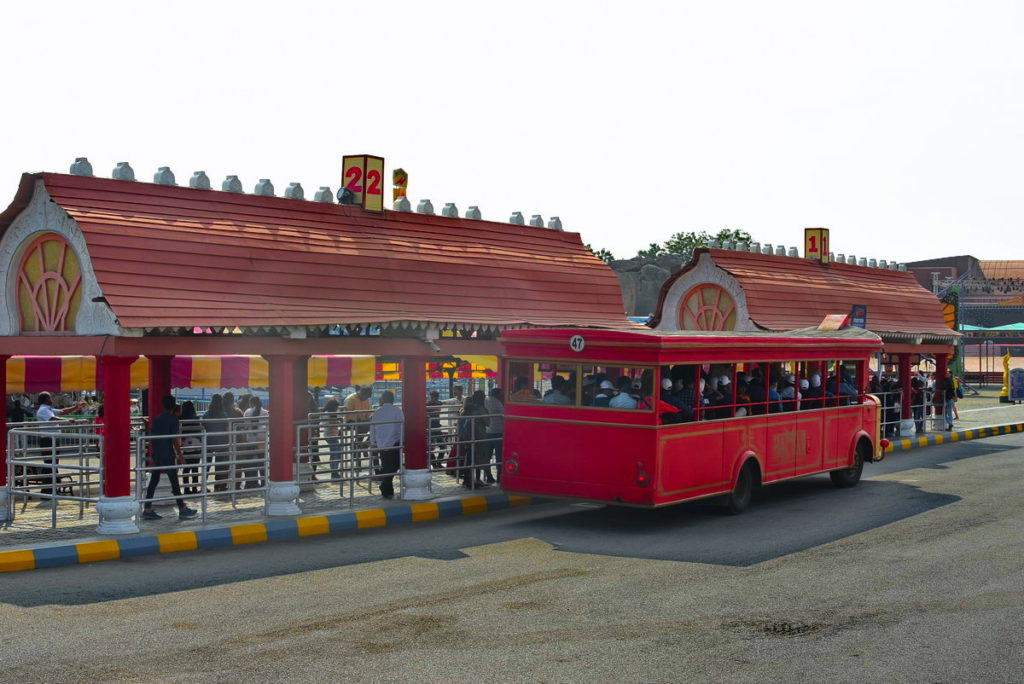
pixel 739 499
pixel 848 477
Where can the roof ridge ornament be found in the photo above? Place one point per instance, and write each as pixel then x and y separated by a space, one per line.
pixel 324 194
pixel 425 207
pixel 517 219
pixel 199 181
pixel 231 184
pixel 474 213
pixel 294 191
pixel 264 188
pixel 537 221
pixel 164 176
pixel 123 171
pixel 450 210
pixel 555 223
pixel 81 167
pixel 403 204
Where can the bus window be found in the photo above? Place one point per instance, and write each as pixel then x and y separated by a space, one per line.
pixel 521 376
pixel 618 387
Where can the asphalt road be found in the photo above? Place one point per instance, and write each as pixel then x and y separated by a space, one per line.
pixel 915 575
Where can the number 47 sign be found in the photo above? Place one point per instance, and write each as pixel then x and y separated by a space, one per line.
pixel 364 175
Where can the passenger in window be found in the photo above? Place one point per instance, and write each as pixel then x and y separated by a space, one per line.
pixel 523 391
pixel 670 410
pixel 774 398
pixel 605 393
pixel 588 391
pixel 558 393
pixel 624 398
pixel 789 393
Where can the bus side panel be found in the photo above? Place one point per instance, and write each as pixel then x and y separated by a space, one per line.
pixel 780 446
pixel 741 437
pixel 587 461
pixel 840 424
pixel 689 461
pixel 809 442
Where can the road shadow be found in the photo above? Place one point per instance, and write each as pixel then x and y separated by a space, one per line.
pixel 783 519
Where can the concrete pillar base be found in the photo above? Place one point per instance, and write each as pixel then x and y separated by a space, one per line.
pixel 416 485
pixel 906 428
pixel 5 501
pixel 117 515
pixel 281 498
pixel 304 476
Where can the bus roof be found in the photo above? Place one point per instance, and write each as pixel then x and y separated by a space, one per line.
pixel 618 344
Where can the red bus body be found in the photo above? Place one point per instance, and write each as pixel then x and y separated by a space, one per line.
pixel 629 457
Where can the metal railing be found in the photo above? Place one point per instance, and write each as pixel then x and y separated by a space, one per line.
pixel 231 460
pixel 336 448
pixel 462 447
pixel 51 465
pixel 927 408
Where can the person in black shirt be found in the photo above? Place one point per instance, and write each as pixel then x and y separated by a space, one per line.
pixel 166 452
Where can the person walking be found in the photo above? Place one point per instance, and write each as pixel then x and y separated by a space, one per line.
pixel 948 400
pixel 215 421
pixel 495 431
pixel 166 454
pixel 386 437
pixel 472 430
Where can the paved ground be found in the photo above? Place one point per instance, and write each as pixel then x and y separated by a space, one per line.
pixel 916 575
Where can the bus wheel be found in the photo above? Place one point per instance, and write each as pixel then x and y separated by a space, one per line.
pixel 739 500
pixel 848 477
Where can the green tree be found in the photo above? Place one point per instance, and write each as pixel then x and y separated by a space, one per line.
pixel 684 243
pixel 602 254
pixel 653 250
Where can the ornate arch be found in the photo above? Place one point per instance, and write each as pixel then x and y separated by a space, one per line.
pixel 49 286
pixel 707 306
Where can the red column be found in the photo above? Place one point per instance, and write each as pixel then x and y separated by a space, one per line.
pixel 285 400
pixel 159 384
pixel 117 421
pixel 905 385
pixel 414 406
pixel 3 424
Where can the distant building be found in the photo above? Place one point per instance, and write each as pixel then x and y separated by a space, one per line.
pixel 991 292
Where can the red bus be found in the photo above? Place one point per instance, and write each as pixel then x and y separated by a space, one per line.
pixel 649 418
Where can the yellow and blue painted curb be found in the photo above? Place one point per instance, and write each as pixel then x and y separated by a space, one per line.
pixel 954 436
pixel 73 553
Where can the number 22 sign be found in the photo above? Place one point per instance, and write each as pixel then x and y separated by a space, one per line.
pixel 364 176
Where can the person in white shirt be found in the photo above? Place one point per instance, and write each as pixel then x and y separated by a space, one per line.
pixel 386 436
pixel 256 441
pixel 46 413
pixel 495 430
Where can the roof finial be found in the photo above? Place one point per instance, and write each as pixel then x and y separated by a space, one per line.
pixel 780 250
pixel 264 188
pixel 516 218
pixel 425 207
pixel 81 167
pixel 164 176
pixel 852 260
pixel 231 184
pixel 123 171
pixel 793 252
pixel 872 263
pixel 474 213
pixel 537 221
pixel 450 210
pixel 199 181
pixel 713 243
pixel 403 204
pixel 766 249
pixel 294 191
pixel 555 223
pixel 324 194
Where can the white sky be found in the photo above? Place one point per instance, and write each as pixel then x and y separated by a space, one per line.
pixel 899 125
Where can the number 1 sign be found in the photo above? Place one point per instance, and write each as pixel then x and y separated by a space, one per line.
pixel 816 244
pixel 364 176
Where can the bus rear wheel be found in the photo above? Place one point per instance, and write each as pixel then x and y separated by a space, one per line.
pixel 739 499
pixel 848 477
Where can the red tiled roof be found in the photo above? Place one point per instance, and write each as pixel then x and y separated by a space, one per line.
pixel 786 293
pixel 169 256
pixel 1002 269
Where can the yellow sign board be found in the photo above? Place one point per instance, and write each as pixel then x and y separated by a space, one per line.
pixel 363 176
pixel 400 181
pixel 816 244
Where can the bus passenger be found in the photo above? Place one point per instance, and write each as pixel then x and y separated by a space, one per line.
pixel 789 393
pixel 523 391
pixel 605 393
pixel 623 400
pixel 557 393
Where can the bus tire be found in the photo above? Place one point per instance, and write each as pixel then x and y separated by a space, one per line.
pixel 738 500
pixel 848 477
